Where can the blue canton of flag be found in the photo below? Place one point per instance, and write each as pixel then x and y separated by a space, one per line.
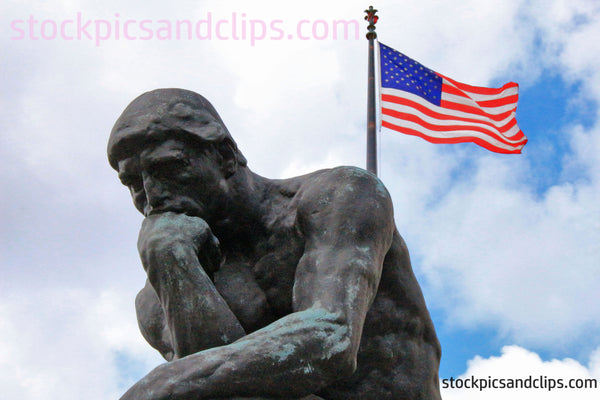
pixel 401 72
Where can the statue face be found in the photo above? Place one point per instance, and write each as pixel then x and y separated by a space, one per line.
pixel 174 175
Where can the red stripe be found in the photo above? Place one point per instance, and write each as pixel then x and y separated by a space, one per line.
pixel 479 89
pixel 462 139
pixel 519 136
pixel 475 110
pixel 429 112
pixel 453 90
pixel 499 102
pixel 445 128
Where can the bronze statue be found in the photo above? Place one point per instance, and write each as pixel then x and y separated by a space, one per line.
pixel 297 288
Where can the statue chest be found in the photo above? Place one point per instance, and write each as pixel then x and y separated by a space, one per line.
pixel 261 292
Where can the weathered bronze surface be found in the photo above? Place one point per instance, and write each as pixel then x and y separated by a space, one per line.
pixel 257 288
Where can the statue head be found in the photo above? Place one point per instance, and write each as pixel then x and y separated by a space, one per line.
pixel 174 153
pixel 164 114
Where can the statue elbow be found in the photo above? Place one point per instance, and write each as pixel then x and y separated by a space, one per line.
pixel 332 362
pixel 338 354
pixel 344 364
pixel 323 350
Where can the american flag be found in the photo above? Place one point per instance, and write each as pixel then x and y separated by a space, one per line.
pixel 418 101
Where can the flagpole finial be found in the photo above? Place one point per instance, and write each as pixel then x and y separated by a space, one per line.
pixel 372 19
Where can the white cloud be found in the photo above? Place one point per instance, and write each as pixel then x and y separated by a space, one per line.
pixel 518 363
pixel 508 258
pixel 493 250
pixel 65 343
pixel 503 254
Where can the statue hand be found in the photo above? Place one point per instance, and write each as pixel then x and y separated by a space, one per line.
pixel 168 231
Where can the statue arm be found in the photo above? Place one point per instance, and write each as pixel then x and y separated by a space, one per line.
pixel 152 321
pixel 299 354
pixel 178 253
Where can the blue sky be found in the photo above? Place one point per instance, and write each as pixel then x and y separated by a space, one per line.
pixel 505 247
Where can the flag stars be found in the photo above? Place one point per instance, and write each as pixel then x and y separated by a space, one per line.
pixel 400 72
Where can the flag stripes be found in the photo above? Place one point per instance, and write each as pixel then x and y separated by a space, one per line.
pixel 465 113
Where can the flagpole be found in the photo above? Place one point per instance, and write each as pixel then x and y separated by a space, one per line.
pixel 371 114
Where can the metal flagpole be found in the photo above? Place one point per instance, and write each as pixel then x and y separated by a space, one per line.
pixel 371 114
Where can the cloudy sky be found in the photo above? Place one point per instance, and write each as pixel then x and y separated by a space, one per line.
pixel 506 247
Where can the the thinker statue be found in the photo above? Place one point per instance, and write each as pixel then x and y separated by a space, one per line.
pixel 257 288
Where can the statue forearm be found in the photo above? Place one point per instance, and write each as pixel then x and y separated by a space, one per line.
pixel 291 358
pixel 195 312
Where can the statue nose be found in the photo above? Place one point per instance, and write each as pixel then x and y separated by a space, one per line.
pixel 155 191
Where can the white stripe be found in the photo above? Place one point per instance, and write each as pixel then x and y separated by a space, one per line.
pixel 470 102
pixel 442 110
pixel 449 135
pixel 510 91
pixel 441 123
pixel 454 115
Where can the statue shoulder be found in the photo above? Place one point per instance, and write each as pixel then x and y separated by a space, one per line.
pixel 344 193
pixel 342 183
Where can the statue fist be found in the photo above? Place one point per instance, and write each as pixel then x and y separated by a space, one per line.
pixel 176 234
